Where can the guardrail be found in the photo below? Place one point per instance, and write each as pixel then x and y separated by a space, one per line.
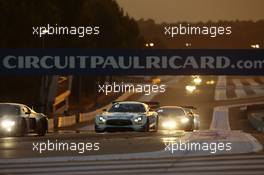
pixel 63 121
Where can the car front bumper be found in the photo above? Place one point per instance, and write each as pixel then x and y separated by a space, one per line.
pixel 175 125
pixel 125 125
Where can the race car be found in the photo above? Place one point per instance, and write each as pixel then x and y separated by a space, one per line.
pixel 197 80
pixel 178 118
pixel 18 119
pixel 190 110
pixel 128 115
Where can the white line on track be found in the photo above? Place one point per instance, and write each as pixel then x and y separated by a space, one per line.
pixel 256 87
pixel 239 89
pixel 220 120
pixel 220 91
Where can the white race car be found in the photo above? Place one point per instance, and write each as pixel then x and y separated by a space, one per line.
pixel 18 119
pixel 127 115
pixel 178 118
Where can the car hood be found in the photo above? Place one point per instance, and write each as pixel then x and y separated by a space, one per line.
pixel 121 115
pixel 13 117
pixel 164 117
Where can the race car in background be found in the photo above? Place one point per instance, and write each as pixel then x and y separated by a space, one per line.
pixel 196 117
pixel 178 118
pixel 128 115
pixel 18 119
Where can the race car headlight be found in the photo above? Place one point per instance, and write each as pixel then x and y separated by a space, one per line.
pixel 190 88
pixel 185 120
pixel 102 119
pixel 169 125
pixel 7 124
pixel 197 80
pixel 138 119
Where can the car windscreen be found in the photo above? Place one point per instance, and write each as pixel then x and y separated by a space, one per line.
pixel 134 108
pixel 9 110
pixel 172 112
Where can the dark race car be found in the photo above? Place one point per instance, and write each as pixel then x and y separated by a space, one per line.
pixel 178 118
pixel 19 119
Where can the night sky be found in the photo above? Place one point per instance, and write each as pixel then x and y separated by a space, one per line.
pixel 194 10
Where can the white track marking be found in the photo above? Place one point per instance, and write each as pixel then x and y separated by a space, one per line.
pixel 240 93
pixel 256 87
pixel 238 83
pixel 239 89
pixel 220 90
pixel 220 120
pixel 252 82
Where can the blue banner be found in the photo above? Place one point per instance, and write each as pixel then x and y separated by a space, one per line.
pixel 131 62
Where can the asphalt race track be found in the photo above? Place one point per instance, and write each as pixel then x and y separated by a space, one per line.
pixel 220 106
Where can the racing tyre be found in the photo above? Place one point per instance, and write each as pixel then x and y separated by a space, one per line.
pixel 22 129
pixel 97 130
pixel 42 127
pixel 146 127
pixel 191 128
pixel 156 126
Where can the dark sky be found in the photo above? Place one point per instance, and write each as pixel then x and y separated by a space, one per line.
pixel 194 10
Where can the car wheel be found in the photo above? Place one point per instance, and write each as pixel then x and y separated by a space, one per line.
pixel 22 129
pixel 42 127
pixel 191 128
pixel 146 128
pixel 156 126
pixel 98 130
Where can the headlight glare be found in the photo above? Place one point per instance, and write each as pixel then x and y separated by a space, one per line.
pixel 102 119
pixel 197 80
pixel 169 125
pixel 138 119
pixel 7 124
pixel 190 88
pixel 185 120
